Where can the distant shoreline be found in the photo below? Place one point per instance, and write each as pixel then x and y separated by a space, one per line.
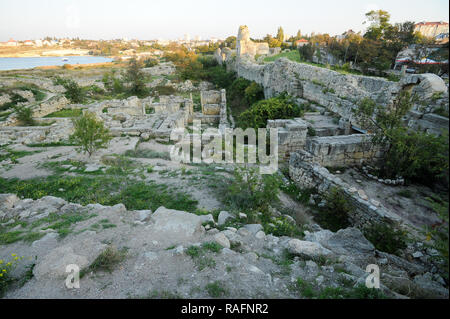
pixel 45 53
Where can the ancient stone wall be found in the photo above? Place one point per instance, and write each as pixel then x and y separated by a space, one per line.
pixel 245 46
pixel 214 107
pixel 36 134
pixel 291 135
pixel 131 106
pixel 342 150
pixel 307 174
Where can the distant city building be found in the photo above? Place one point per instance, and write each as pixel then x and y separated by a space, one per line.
pixel 12 43
pixel 301 42
pixel 28 43
pixel 431 29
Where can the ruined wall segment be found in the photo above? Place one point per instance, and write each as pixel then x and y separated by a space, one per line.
pixel 246 47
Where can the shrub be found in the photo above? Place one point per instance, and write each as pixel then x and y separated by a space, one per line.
pixel 311 131
pixel 135 79
pixel 415 155
pixel 386 238
pixel 106 261
pixel 281 226
pixel 439 233
pixel 252 191
pixel 334 215
pixel 236 92
pixel 280 107
pixel 73 91
pixel 24 115
pixel 6 268
pixel 90 133
pixel 164 90
pixel 254 93
pixel 216 290
pixel 219 76
pixel 148 63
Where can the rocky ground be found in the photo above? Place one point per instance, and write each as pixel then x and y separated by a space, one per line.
pixel 172 253
pixel 113 215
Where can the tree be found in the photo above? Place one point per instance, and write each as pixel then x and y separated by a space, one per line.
pixel 230 42
pixel 306 52
pixel 73 91
pixel 379 24
pixel 280 35
pixel 90 133
pixel 273 42
pixel 135 77
pixel 415 155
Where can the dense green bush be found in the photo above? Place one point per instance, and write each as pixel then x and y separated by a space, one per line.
pixel 386 238
pixel 24 115
pixel 135 79
pixel 251 191
pixel 280 107
pixel 112 84
pixel 73 91
pixel 219 76
pixel 15 99
pixel 415 155
pixel 254 93
pixel 164 90
pixel 148 63
pixel 236 93
pixel 90 133
pixel 335 214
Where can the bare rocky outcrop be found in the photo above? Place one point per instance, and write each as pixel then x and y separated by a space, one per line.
pixel 157 258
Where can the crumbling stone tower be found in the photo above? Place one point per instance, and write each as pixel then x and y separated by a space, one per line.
pixel 245 46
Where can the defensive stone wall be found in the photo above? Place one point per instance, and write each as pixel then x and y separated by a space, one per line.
pixel 307 174
pixel 291 135
pixel 342 150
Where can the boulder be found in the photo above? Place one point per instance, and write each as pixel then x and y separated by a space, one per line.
pixel 53 265
pixel 307 249
pixel 350 242
pixel 222 240
pixel 48 204
pixel 223 217
pixel 426 287
pixel 49 241
pixel 253 228
pixel 175 225
pixel 7 201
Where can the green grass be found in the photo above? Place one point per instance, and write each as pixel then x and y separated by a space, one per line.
pixel 65 113
pixel 406 193
pixel 106 261
pixel 14 155
pixel 52 144
pixel 147 154
pixel 212 246
pixel 105 190
pixel 307 290
pixel 200 257
pixel 10 237
pixel 164 294
pixel 216 290
pixel 293 55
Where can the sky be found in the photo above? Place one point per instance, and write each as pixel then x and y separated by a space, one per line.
pixel 171 19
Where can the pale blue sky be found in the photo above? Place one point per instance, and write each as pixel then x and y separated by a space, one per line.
pixel 151 19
